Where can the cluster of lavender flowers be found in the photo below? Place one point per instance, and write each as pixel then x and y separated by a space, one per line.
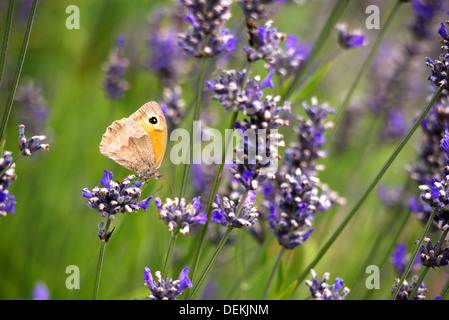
pixel 406 289
pixel 34 111
pixel 116 196
pixel 257 9
pixel 179 215
pixel 7 168
pixel 167 289
pixel 321 290
pixel 207 37
pixel 299 193
pixel 115 69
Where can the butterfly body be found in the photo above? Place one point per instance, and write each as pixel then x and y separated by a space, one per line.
pixel 138 142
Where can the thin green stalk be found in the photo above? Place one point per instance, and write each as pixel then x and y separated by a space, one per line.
pixel 319 43
pixel 215 186
pixel 169 255
pixel 104 239
pixel 367 63
pixel 217 250
pixel 370 188
pixel 445 292
pixel 18 72
pixel 210 263
pixel 273 272
pixel 6 35
pixel 415 253
pixel 196 116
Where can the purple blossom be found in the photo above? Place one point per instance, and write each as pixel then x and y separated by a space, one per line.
pixel 34 111
pixel 33 144
pixel 321 290
pixel 40 292
pixel 166 289
pixel 290 58
pixel 350 39
pixel 406 289
pixel 263 43
pixel 115 69
pixel 207 37
pixel 116 196
pixel 225 212
pixel 179 215
pixel 257 9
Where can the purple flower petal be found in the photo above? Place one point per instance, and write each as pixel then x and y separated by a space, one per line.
pixel 144 203
pixel 184 279
pixel 86 193
pixel 268 81
pixel 158 203
pixel 201 218
pixel 442 31
pixel 107 177
pixel 148 278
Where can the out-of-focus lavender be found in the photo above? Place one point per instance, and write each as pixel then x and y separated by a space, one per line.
pixel 321 290
pixel 115 69
pixel 34 111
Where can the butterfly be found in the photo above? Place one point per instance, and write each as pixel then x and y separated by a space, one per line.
pixel 138 142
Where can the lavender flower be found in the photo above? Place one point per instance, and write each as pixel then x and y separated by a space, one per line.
pixel 263 42
pixel 207 38
pixel 40 292
pixel 321 290
pixel 400 260
pixel 429 255
pixel 178 215
pixel 407 288
pixel 350 39
pixel 291 57
pixel 115 69
pixel 168 289
pixel 224 212
pixel 424 11
pixel 34 110
pixel 28 146
pixel 256 9
pixel 7 168
pixel 116 196
pixel 235 94
pixel 172 105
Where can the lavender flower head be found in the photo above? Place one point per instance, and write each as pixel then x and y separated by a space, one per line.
pixel 434 255
pixel 8 175
pixel 33 144
pixel 167 289
pixel 321 290
pixel 291 57
pixel 256 9
pixel 225 210
pixel 439 67
pixel 115 69
pixel 350 39
pixel 407 288
pixel 116 196
pixel 34 111
pixel 400 259
pixel 178 215
pixel 263 42
pixel 207 37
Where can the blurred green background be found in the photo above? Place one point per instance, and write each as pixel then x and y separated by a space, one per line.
pixel 53 228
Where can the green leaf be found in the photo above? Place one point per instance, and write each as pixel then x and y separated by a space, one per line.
pixel 288 292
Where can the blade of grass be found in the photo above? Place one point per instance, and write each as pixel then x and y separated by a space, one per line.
pixel 6 35
pixel 18 72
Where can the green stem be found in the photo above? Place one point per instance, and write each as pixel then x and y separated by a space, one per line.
pixel 210 263
pixel 319 43
pixel 365 67
pixel 215 186
pixel 273 272
pixel 370 188
pixel 415 253
pixel 6 36
pixel 196 116
pixel 218 249
pixel 169 255
pixel 18 72
pixel 445 292
pixel 104 239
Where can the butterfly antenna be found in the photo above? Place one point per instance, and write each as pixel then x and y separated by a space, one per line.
pixel 169 187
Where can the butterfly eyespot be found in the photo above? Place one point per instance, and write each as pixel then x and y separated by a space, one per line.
pixel 153 120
